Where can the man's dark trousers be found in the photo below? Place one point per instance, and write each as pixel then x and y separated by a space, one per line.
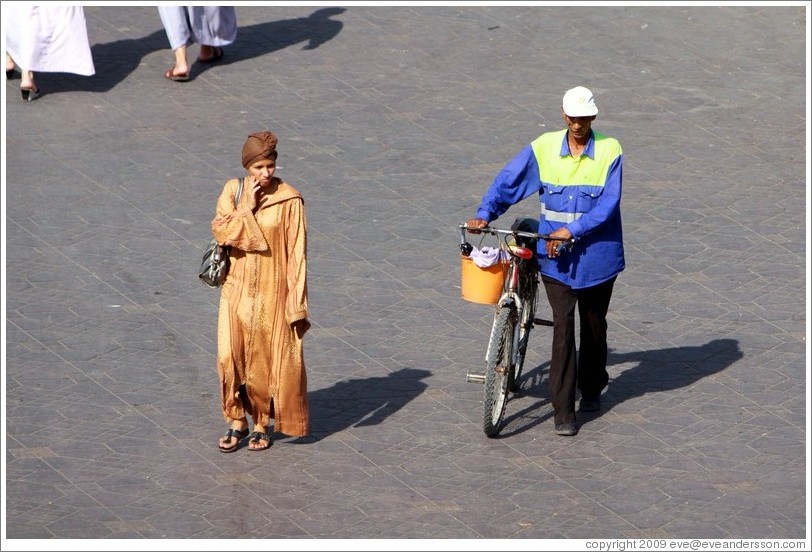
pixel 589 370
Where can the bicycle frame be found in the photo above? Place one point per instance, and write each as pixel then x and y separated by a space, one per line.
pixel 513 292
pixel 512 285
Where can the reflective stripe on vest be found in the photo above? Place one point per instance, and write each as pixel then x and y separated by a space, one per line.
pixel 556 216
pixel 560 171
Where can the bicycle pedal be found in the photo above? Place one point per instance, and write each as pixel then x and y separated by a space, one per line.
pixel 475 377
pixel 542 322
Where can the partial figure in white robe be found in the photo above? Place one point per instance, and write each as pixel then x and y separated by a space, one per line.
pixel 45 39
pixel 210 26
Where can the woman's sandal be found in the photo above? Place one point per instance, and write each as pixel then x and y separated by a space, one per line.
pixel 232 433
pixel 256 438
pixel 177 77
pixel 216 56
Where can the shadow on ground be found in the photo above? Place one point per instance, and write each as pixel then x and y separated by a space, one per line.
pixel 656 370
pixel 115 61
pixel 361 402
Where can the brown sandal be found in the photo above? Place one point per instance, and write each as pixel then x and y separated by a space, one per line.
pixel 232 433
pixel 216 56
pixel 256 438
pixel 177 77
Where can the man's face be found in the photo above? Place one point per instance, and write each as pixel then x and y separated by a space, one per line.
pixel 579 127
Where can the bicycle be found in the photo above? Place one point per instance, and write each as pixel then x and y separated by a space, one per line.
pixel 513 320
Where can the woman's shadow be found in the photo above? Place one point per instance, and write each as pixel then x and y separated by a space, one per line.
pixel 657 370
pixel 361 402
pixel 115 61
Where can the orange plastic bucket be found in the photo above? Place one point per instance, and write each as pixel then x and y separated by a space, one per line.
pixel 483 285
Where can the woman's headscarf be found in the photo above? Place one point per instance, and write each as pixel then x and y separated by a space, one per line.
pixel 260 145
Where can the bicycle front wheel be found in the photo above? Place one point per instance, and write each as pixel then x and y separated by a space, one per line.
pixel 499 368
pixel 528 314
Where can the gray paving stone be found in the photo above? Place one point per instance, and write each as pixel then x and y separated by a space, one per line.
pixel 392 122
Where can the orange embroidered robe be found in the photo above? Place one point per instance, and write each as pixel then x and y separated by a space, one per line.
pixel 264 294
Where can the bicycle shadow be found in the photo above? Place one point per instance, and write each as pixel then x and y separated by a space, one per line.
pixel 361 402
pixel 117 60
pixel 657 370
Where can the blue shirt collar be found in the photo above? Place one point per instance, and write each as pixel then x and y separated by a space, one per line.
pixel 589 150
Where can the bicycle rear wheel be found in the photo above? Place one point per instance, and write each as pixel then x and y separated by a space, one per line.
pixel 499 368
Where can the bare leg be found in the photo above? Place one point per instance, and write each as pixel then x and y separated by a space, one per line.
pixel 180 71
pixel 28 88
pixel 27 82
pixel 9 63
pixel 181 65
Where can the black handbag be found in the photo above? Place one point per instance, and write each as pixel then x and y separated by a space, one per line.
pixel 215 263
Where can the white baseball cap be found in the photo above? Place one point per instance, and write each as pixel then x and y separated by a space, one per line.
pixel 579 102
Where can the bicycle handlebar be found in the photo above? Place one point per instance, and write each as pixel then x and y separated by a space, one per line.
pixel 565 243
pixel 505 232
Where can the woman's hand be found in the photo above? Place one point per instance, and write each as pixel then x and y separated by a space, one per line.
pixel 252 188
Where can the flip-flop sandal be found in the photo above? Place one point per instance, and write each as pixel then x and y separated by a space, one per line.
pixel 216 56
pixel 257 437
pixel 179 77
pixel 239 434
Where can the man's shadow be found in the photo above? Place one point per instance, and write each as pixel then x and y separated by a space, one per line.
pixel 658 370
pixel 115 61
pixel 361 402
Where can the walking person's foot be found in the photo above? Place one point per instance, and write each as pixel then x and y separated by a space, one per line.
pixel 259 439
pixel 177 75
pixel 29 94
pixel 28 88
pixel 235 434
pixel 210 54
pixel 10 65
pixel 590 404
pixel 567 430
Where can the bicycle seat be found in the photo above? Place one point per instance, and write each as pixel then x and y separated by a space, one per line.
pixel 526 224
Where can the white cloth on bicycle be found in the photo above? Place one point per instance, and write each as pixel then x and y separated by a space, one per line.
pixel 487 256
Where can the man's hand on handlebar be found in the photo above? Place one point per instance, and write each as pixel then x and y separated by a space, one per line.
pixel 557 238
pixel 555 243
pixel 475 223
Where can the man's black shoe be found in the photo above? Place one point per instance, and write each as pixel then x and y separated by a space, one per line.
pixel 565 429
pixel 590 404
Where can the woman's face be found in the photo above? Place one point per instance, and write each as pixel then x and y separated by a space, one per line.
pixel 263 171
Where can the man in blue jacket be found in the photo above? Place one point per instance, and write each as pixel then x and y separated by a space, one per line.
pixel 577 174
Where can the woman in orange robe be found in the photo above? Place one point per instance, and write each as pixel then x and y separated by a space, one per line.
pixel 263 302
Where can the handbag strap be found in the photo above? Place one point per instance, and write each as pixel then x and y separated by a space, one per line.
pixel 237 195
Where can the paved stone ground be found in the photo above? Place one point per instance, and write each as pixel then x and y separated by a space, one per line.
pixel 392 122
